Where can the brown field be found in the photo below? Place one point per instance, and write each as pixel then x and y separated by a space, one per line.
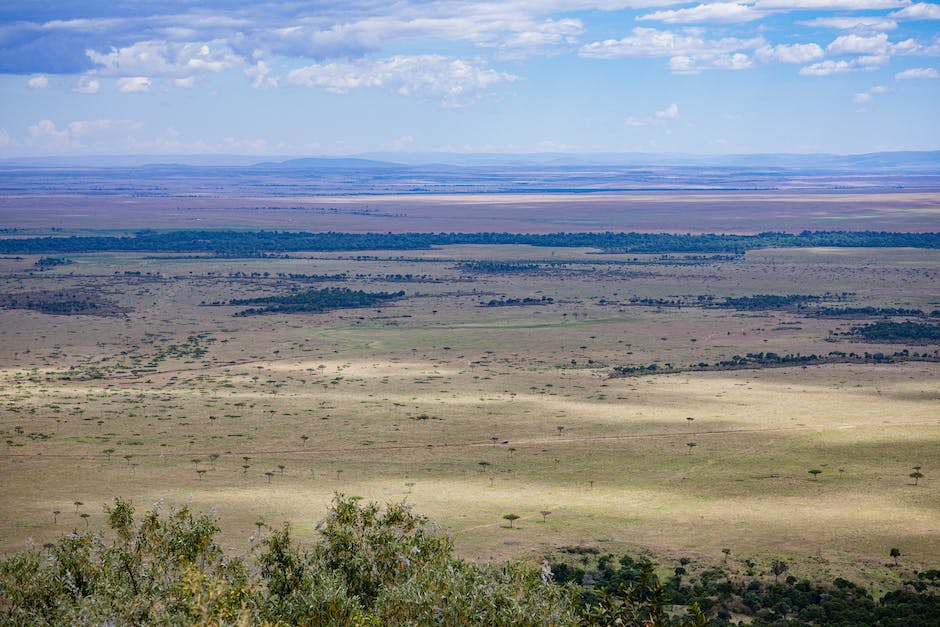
pixel 673 211
pixel 177 394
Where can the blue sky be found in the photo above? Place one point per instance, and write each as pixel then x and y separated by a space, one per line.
pixel 288 77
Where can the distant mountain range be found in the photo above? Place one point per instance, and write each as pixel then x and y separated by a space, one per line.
pixel 880 161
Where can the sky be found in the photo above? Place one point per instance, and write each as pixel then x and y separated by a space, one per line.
pixel 341 77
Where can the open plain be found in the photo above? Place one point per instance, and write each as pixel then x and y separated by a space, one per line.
pixel 489 388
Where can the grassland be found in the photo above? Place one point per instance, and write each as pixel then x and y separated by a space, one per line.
pixel 169 399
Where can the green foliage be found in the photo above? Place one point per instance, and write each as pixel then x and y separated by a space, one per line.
pixel 260 243
pixel 373 566
pixel 315 301
pixel 627 592
pixel 898 332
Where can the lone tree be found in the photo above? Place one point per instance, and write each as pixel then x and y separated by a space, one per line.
pixel 269 474
pixel 895 553
pixel 815 472
pixel 305 438
pixel 410 485
pixel 511 518
pixel 483 466
pixel 691 446
pixel 545 514
pixel 778 567
pixel 916 475
pixel 55 516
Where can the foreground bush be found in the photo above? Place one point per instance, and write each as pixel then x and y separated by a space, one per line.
pixel 373 566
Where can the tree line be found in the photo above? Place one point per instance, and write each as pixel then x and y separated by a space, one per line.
pixel 257 243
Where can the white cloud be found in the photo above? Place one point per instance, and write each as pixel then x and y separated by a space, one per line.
pixel 185 83
pixel 821 5
pixel 789 53
pixel 866 23
pixel 859 44
pixel 87 85
pixel 658 118
pixel 688 52
pixel 546 38
pixel 133 85
pixel 669 113
pixel 257 74
pixel 866 96
pixel 85 128
pixel 917 72
pixel 694 64
pixel 858 64
pixel 918 11
pixel 165 58
pixel 83 136
pixel 45 133
pixel 452 79
pixel 716 12
pixel 38 82
pixel 5 139
pixel 400 143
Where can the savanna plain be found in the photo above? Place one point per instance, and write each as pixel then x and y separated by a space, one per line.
pixel 599 396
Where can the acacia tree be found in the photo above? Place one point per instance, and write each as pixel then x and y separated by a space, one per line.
pixel 545 513
pixel 916 475
pixel 511 518
pixel 778 567
pixel 815 472
pixel 895 553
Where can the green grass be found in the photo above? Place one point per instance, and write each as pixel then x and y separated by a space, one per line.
pixel 390 401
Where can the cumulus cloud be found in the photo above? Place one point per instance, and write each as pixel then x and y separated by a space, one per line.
pixel 856 23
pixel 82 135
pixel 917 72
pixel 859 44
pixel 789 53
pixel 689 52
pixel 822 5
pixel 400 143
pixel 545 38
pixel 866 96
pixel 38 82
pixel 669 113
pixel 919 11
pixel 87 85
pixel 452 79
pixel 133 85
pixel 257 75
pixel 716 12
pixel 858 64
pixel 184 83
pixel 657 119
pixel 45 133
pixel 163 58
